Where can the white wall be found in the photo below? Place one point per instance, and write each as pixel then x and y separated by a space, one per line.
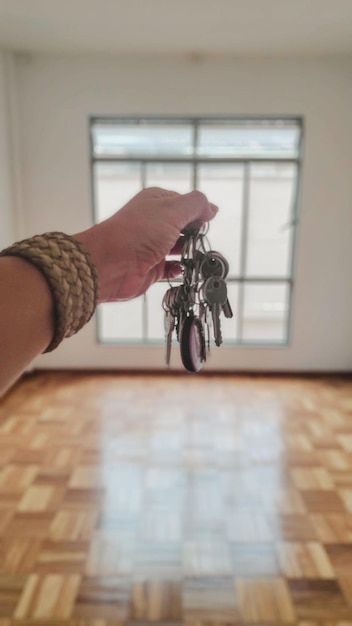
pixel 7 230
pixel 56 96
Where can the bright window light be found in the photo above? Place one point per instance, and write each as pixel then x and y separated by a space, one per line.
pixel 250 169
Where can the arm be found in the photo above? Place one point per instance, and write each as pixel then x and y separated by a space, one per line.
pixel 128 251
pixel 26 317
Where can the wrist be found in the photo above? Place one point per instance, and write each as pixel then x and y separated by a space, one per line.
pixel 90 242
pixel 109 257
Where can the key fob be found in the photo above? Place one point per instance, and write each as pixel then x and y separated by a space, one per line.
pixel 192 343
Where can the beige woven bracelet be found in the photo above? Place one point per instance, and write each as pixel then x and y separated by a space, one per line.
pixel 71 276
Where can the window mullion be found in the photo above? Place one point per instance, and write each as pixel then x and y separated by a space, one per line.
pixel 243 255
pixel 195 146
pixel 143 174
pixel 145 301
pixel 145 318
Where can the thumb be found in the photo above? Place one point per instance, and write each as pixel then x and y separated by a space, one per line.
pixel 165 269
pixel 172 269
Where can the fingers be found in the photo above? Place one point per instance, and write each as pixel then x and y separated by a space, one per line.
pixel 164 269
pixel 192 207
pixel 159 192
pixel 214 209
pixel 178 247
pixel 172 269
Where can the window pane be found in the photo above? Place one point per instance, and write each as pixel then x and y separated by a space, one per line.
pixel 155 313
pixel 174 176
pixel 114 185
pixel 271 195
pixel 159 153
pixel 249 139
pixel 142 139
pixel 121 320
pixel 223 185
pixel 265 312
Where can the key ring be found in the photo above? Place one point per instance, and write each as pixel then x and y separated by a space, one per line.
pixel 198 302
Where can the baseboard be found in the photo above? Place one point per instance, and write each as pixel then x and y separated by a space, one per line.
pixel 203 373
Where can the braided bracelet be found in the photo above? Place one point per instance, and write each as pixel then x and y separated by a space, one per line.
pixel 70 274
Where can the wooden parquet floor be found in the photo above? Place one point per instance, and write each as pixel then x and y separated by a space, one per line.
pixel 188 500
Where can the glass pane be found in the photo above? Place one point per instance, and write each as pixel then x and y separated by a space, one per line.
pixel 114 185
pixel 174 176
pixel 121 321
pixel 223 185
pixel 249 139
pixel 155 313
pixel 265 312
pixel 271 196
pixel 142 139
pixel 229 325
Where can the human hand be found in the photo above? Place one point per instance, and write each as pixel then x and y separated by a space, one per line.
pixel 129 248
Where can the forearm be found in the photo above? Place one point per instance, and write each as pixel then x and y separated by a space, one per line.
pixel 27 308
pixel 117 259
pixel 26 317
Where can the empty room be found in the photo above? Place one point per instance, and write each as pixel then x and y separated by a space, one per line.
pixel 175 313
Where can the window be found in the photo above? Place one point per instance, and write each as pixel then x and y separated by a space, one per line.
pixel 250 169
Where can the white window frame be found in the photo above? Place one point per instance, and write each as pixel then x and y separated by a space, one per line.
pixel 241 279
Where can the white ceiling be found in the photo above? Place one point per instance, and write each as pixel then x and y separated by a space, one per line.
pixel 240 27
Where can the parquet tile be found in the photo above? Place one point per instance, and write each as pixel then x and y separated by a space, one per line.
pixel 45 597
pixel 156 601
pixel 73 525
pixel 188 501
pixel 305 560
pixel 332 528
pixel 296 527
pixel 265 600
pixel 318 599
pixel 103 597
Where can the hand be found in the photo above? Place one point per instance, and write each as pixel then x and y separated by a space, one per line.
pixel 129 248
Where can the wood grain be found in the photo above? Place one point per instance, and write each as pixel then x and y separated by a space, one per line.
pixel 188 500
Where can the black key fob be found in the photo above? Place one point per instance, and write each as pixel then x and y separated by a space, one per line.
pixel 192 343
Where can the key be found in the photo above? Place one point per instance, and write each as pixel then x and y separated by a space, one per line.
pixel 170 307
pixel 197 261
pixel 207 324
pixel 204 318
pixel 214 264
pixel 226 309
pixel 215 312
pixel 193 309
pixel 215 294
pixel 166 303
pixel 179 322
pixel 169 322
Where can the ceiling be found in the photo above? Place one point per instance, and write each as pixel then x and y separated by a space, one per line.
pixel 212 27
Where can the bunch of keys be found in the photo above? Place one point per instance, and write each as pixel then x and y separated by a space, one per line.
pixel 194 307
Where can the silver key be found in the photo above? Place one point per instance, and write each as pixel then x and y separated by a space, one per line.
pixel 215 294
pixel 214 264
pixel 192 308
pixel 204 318
pixel 207 322
pixel 169 306
pixel 215 312
pixel 227 309
pixel 169 322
